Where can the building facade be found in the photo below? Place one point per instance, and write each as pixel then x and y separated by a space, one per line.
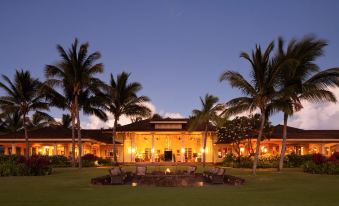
pixel 166 140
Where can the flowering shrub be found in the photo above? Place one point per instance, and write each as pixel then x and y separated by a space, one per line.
pixel 318 159
pixel 334 158
pixel 321 165
pixel 13 165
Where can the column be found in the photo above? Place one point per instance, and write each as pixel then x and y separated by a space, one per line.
pixel 337 148
pixel 55 149
pixel 322 149
pixel 13 149
pixel 182 148
pixel 152 150
pixel 132 148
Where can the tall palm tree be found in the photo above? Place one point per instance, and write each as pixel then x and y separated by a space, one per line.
pixel 122 99
pixel 75 73
pixel 302 80
pixel 207 113
pixel 89 103
pixel 23 94
pixel 40 120
pixel 66 120
pixel 259 90
pixel 10 122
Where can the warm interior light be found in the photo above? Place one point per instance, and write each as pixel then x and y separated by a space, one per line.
pixel 183 150
pixel 202 150
pixel 152 150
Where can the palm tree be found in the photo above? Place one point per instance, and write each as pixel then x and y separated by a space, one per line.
pixel 10 122
pixel 40 120
pixel 74 73
pixel 207 113
pixel 259 90
pixel 23 95
pixel 298 84
pixel 122 99
pixel 66 120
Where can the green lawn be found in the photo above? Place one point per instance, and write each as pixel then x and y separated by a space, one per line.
pixel 72 187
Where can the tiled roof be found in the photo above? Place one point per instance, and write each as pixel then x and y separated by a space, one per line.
pixel 295 133
pixel 58 132
pixel 149 125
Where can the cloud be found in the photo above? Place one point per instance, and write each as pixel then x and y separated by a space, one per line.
pixel 93 122
pixel 317 116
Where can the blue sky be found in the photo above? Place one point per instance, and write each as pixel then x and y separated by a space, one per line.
pixel 176 49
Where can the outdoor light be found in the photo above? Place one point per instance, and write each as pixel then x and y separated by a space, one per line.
pixel 202 150
pixel 152 150
pixel 183 150
pixel 134 184
pixel 167 171
pixel 133 150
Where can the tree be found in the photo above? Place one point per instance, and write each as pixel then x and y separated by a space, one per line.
pixel 75 75
pixel 209 111
pixel 23 94
pixel 40 120
pixel 302 80
pixel 10 122
pixel 122 99
pixel 66 120
pixel 240 130
pixel 259 90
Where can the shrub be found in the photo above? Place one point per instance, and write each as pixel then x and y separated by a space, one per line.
pixel 59 161
pixel 38 165
pixel 334 158
pixel 104 162
pixel 13 165
pixel 318 158
pixel 294 160
pixel 323 168
pixel 88 160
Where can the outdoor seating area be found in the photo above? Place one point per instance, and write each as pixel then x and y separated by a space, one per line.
pixel 168 176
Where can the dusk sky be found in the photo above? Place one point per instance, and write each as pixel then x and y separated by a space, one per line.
pixel 176 49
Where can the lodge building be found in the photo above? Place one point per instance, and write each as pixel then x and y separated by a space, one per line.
pixel 157 140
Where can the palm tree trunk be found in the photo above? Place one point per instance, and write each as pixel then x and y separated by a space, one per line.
pixel 257 149
pixel 26 136
pixel 79 131
pixel 73 137
pixel 115 159
pixel 283 144
pixel 204 146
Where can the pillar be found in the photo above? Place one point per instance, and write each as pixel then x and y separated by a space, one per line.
pixel 337 148
pixel 55 149
pixel 182 152
pixel 152 150
pixel 13 149
pixel 132 148
pixel 322 149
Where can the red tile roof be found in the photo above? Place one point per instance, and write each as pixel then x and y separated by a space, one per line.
pixel 149 125
pixel 59 133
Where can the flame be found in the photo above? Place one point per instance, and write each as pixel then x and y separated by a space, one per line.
pixel 167 171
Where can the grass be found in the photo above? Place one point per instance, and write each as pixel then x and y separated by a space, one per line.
pixel 72 187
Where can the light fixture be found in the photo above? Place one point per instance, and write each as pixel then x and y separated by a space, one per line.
pixel 183 150
pixel 152 150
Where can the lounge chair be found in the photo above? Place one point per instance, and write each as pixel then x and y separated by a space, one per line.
pixel 217 177
pixel 211 171
pixel 191 170
pixel 118 175
pixel 140 171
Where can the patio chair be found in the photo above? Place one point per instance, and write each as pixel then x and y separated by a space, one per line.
pixel 217 177
pixel 140 171
pixel 191 170
pixel 211 171
pixel 118 176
